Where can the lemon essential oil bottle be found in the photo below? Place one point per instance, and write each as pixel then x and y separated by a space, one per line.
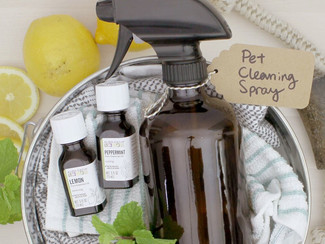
pixel 116 138
pixel 77 165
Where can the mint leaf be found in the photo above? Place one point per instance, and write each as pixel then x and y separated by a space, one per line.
pixel 142 234
pixel 4 206
pixel 145 237
pixel 164 241
pixel 171 229
pixel 8 158
pixel 12 187
pixel 129 219
pixel 106 238
pixel 128 226
pixel 123 241
pixel 12 183
pixel 145 241
pixel 10 209
pixel 107 232
pixel 103 228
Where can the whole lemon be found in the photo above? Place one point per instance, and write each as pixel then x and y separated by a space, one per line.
pixel 107 33
pixel 59 52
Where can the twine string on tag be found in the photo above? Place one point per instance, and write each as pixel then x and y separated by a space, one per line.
pixel 156 107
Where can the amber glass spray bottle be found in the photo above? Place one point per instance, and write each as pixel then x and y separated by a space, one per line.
pixel 189 150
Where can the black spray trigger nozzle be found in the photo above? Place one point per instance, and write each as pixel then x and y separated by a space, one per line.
pixel 174 29
pixel 125 38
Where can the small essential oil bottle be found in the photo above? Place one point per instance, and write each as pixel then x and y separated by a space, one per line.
pixel 116 138
pixel 77 165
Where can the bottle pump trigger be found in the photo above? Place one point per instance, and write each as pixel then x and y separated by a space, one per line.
pixel 172 27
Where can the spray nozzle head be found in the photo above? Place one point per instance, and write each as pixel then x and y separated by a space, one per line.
pixel 172 27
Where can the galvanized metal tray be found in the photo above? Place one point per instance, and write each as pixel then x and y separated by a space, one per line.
pixel 290 150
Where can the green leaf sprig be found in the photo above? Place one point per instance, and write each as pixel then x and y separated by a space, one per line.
pixel 128 228
pixel 10 209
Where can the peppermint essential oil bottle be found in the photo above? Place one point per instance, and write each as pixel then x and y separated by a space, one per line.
pixel 116 138
pixel 77 165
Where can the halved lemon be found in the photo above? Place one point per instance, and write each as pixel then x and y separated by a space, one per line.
pixel 19 97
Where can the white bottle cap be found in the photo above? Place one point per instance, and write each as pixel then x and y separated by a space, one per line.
pixel 112 96
pixel 68 127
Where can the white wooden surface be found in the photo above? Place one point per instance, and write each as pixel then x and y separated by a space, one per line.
pixel 306 16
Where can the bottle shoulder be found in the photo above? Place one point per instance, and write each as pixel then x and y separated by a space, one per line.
pixel 76 158
pixel 203 120
pixel 115 129
pixel 201 111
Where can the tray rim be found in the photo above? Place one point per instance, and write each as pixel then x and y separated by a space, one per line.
pixel 144 60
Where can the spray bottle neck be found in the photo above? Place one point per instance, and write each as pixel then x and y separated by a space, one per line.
pixel 184 73
pixel 186 98
pixel 182 63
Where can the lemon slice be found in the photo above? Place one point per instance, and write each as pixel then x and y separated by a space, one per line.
pixel 19 96
pixel 11 129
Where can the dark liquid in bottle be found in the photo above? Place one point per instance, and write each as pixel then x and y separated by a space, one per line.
pixel 76 155
pixel 114 126
pixel 193 164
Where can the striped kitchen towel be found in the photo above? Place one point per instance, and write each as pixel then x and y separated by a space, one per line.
pixel 279 203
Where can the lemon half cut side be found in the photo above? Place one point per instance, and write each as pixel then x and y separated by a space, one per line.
pixel 19 97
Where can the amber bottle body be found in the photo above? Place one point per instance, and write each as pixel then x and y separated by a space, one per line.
pixel 190 162
pixel 76 158
pixel 115 126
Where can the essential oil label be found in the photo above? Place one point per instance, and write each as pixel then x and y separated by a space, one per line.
pixel 83 187
pixel 264 76
pixel 119 158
